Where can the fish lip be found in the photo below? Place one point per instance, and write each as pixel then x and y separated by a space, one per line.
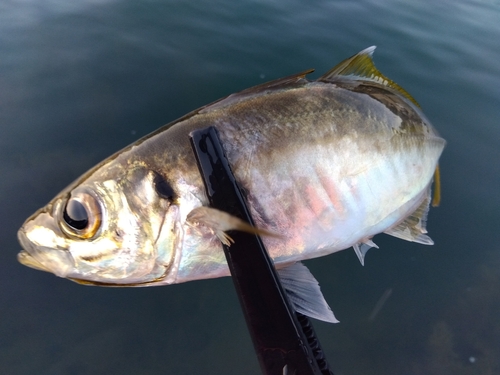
pixel 58 262
pixel 27 260
pixel 25 256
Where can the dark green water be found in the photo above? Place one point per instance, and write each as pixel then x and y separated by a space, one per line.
pixel 81 79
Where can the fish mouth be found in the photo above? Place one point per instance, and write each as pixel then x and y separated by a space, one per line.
pixel 27 260
pixel 24 257
pixel 58 262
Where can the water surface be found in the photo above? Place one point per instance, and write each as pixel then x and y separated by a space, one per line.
pixel 81 79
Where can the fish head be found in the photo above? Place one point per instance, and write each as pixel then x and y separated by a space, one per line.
pixel 117 226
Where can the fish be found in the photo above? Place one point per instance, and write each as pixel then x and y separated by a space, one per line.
pixel 324 165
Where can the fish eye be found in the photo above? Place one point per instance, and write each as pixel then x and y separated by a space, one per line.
pixel 81 215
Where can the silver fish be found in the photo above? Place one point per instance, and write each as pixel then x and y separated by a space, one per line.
pixel 325 165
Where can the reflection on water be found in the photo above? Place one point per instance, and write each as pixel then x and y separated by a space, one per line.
pixel 464 338
pixel 81 79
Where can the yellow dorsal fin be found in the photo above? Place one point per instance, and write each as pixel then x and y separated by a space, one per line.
pixel 361 67
pixel 436 199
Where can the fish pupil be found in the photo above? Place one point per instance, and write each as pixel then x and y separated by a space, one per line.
pixel 76 215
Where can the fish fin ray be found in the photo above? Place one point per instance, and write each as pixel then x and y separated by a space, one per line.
pixel 220 222
pixel 278 83
pixel 362 248
pixel 436 199
pixel 413 227
pixel 293 80
pixel 361 67
pixel 304 292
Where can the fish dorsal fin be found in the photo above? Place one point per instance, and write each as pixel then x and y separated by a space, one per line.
pixel 304 292
pixel 280 83
pixel 361 67
pixel 413 227
pixel 277 83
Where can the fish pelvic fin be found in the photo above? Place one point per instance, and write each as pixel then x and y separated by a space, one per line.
pixel 304 292
pixel 412 228
pixel 219 222
pixel 360 67
pixel 362 248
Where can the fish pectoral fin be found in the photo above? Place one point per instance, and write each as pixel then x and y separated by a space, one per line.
pixel 362 248
pixel 219 222
pixel 361 67
pixel 304 292
pixel 412 228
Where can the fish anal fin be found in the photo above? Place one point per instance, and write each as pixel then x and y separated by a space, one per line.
pixel 361 67
pixel 304 292
pixel 412 228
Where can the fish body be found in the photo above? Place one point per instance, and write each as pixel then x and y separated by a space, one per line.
pixel 324 165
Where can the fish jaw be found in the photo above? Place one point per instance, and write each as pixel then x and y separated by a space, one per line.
pixel 43 258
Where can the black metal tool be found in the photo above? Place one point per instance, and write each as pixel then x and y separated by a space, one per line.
pixel 284 340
